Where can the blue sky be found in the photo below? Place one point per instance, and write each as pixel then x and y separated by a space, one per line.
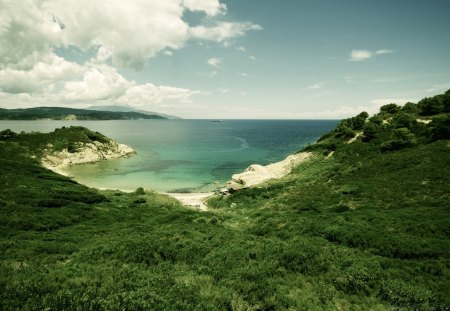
pixel 230 59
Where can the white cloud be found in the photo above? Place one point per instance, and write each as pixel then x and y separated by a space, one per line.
pixel 243 74
pixel 242 49
pixel 385 101
pixel 210 7
pixel 215 62
pixel 362 55
pixel 44 74
pixel 222 31
pixel 149 95
pixel 381 52
pixel 316 86
pixel 132 31
pixel 25 31
pixel 124 33
pixel 252 57
pixel 439 87
pixel 99 83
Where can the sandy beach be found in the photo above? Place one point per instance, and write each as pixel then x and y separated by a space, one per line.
pixel 195 199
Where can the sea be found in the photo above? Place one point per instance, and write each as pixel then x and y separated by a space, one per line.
pixel 185 155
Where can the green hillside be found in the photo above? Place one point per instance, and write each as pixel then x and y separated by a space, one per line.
pixel 60 113
pixel 363 225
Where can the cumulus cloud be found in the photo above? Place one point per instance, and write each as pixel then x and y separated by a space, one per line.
pixel 131 31
pixel 99 83
pixel 215 62
pixel 122 33
pixel 210 7
pixel 43 75
pixel 362 55
pixel 26 32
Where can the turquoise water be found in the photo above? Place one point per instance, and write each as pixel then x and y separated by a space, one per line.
pixel 185 155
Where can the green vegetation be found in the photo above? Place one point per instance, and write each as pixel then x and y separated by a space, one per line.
pixel 360 226
pixel 60 113
pixel 35 143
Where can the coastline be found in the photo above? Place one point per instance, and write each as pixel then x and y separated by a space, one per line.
pixel 254 175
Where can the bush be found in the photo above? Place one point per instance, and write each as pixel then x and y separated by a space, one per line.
pixel 404 138
pixel 431 105
pixel 139 191
pixel 410 108
pixel 370 131
pixel 440 128
pixel 390 108
pixel 7 135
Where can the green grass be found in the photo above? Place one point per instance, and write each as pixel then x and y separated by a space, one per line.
pixel 363 229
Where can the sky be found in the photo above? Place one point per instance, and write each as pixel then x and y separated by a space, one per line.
pixel 226 59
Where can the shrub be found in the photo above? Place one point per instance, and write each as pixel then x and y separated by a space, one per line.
pixel 404 138
pixel 390 108
pixel 431 105
pixel 370 131
pixel 7 135
pixel 139 191
pixel 440 128
pixel 410 108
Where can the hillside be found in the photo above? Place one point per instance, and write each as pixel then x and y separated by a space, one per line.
pixel 363 224
pixel 60 113
pixel 129 109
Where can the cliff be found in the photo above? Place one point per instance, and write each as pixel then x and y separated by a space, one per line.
pixel 256 174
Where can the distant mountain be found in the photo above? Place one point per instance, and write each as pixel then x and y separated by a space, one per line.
pixel 129 109
pixel 60 113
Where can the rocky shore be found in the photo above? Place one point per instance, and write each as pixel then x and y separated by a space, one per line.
pixel 256 174
pixel 84 153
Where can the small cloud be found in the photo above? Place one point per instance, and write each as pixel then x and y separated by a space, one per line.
pixel 243 74
pixel 385 101
pixel 243 93
pixel 316 86
pixel 439 87
pixel 349 79
pixel 381 52
pixel 168 53
pixel 242 49
pixel 362 55
pixel 215 62
pixel 223 91
pixel 252 57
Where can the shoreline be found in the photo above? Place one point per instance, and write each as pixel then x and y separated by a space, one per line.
pixel 254 175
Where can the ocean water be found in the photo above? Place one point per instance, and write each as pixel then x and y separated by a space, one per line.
pixel 185 155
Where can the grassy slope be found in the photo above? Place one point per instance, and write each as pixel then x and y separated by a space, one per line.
pixel 362 229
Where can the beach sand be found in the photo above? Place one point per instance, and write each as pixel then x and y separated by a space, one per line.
pixel 196 200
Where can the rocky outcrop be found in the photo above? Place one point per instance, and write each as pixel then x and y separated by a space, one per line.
pixel 256 174
pixel 84 153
